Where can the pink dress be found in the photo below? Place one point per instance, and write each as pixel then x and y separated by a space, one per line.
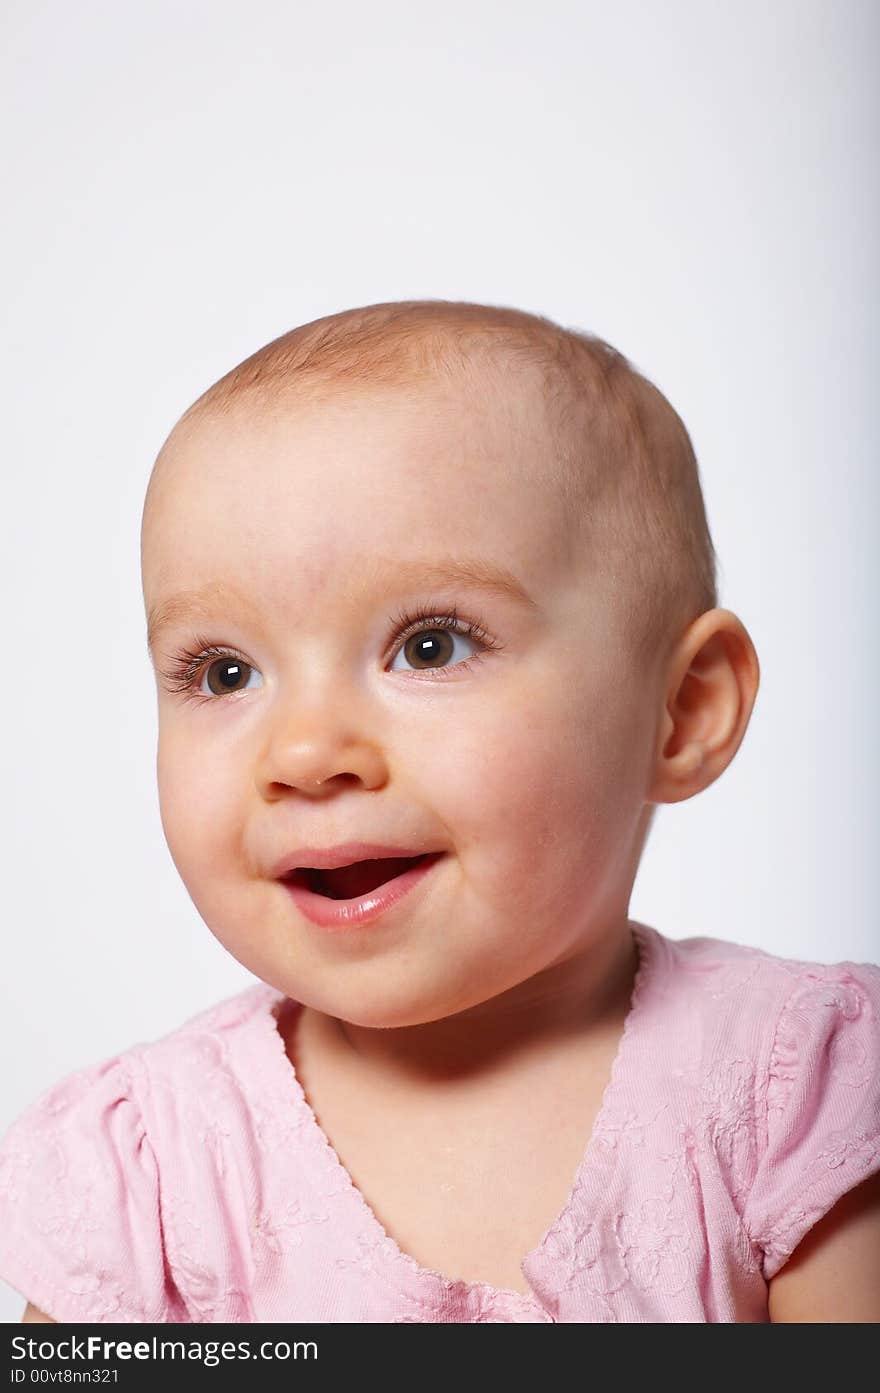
pixel 187 1179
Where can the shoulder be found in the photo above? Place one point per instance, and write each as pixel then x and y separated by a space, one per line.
pixel 816 1102
pixel 116 1091
pixel 72 1166
pixel 761 997
pixel 80 1225
pixel 784 1054
pixel 208 1036
pixel 806 1035
pixel 216 1064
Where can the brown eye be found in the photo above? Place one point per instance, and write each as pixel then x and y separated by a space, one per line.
pixel 226 675
pixel 429 648
pixel 427 641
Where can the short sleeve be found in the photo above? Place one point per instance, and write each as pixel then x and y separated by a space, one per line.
pixel 821 1129
pixel 80 1228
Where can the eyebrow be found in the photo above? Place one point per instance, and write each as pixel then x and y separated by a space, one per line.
pixel 476 574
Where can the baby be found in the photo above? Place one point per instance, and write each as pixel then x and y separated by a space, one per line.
pixel 432 609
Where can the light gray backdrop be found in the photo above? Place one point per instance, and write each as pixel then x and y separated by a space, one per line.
pixel 695 181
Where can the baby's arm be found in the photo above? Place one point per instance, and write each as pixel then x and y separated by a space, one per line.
pixel 33 1313
pixel 834 1273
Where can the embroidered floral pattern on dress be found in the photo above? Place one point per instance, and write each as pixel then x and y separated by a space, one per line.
pixel 71 1216
pixel 721 980
pixel 626 1123
pixel 727 1122
pixel 588 1252
pixel 189 1179
pixel 826 1034
pixel 654 1246
pixel 287 1223
pixel 859 1151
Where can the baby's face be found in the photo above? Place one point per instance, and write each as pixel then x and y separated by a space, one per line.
pixel 523 753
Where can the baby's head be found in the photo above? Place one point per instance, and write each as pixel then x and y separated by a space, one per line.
pixel 449 587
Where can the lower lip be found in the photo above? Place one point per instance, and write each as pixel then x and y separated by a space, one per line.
pixel 348 914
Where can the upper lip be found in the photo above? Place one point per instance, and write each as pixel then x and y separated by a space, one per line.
pixel 329 857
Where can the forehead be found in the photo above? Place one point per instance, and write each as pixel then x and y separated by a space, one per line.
pixel 318 489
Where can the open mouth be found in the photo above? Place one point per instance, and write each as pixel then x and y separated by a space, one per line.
pixel 349 882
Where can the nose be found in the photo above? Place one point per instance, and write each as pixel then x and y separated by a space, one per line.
pixel 318 754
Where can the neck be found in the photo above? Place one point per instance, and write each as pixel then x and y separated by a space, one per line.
pixel 578 999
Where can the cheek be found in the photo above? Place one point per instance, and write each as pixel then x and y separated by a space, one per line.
pixel 562 775
pixel 193 795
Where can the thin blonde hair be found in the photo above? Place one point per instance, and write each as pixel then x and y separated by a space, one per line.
pixel 626 466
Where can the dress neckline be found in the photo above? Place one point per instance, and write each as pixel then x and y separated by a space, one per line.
pixel 281 1070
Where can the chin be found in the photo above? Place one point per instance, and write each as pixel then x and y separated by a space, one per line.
pixel 385 1014
pixel 390 1009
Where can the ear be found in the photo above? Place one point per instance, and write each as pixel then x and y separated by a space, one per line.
pixel 711 683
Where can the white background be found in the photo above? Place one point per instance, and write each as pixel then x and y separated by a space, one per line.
pixel 695 181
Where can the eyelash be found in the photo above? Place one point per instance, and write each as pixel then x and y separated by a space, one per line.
pixel 185 670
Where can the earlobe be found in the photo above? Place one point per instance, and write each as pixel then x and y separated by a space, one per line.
pixel 683 775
